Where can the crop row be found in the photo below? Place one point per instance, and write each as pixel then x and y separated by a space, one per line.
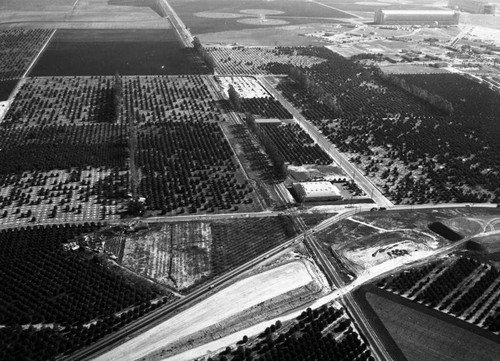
pixel 69 302
pixel 18 48
pixel 76 100
pixel 189 167
pixel 236 242
pixel 295 144
pixel 463 287
pixel 254 61
pixel 467 96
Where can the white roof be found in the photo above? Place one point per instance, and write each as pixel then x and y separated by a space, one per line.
pixel 418 12
pixel 319 189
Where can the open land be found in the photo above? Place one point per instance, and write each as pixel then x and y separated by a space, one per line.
pixel 109 52
pixel 226 303
pixel 185 254
pixel 225 15
pixel 422 336
pixel 82 14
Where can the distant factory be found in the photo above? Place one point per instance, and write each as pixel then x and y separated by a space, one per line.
pixel 473 6
pixel 416 17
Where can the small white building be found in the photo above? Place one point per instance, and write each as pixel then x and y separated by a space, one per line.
pixel 316 191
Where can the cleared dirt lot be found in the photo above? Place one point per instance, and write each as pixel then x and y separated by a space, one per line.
pixel 225 304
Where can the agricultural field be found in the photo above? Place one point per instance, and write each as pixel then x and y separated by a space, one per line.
pixel 89 14
pixel 420 334
pixel 253 98
pixel 323 333
pixel 295 144
pixel 176 114
pixel 182 255
pixel 255 60
pixel 375 124
pixel 72 300
pixel 18 48
pixel 460 286
pixel 62 173
pixel 468 97
pixel 108 52
pixel 226 15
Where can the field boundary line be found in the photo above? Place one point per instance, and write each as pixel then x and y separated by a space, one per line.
pixel 39 53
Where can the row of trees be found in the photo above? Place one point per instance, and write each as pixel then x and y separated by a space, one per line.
pixel 321 334
pixel 275 155
pixel 315 91
pixel 434 99
pixel 204 54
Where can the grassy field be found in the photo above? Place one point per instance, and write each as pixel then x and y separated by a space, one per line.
pixel 107 52
pixel 420 336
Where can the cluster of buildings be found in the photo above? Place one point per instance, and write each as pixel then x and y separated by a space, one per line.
pixel 434 17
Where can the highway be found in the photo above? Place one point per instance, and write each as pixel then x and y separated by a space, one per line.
pixel 163 313
pixel 354 310
pixel 184 35
pixel 351 170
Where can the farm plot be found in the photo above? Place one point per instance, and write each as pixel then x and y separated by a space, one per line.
pixel 462 287
pixel 63 100
pixel 467 96
pixel 69 302
pixel 61 195
pixel 423 336
pixel 375 124
pixel 177 255
pixel 83 100
pixel 18 48
pixel 296 145
pixel 62 173
pixel 253 97
pixel 108 52
pixel 162 99
pixel 184 254
pixel 224 15
pixel 190 167
pixel 329 328
pixel 236 242
pixel 254 61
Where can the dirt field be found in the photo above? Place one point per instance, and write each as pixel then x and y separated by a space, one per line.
pixel 82 14
pixel 223 305
pixel 423 337
pixel 178 255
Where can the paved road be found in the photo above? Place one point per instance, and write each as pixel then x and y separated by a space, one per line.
pixel 364 183
pixel 184 34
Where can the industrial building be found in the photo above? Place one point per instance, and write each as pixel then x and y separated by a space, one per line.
pixel 316 191
pixel 473 6
pixel 416 17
